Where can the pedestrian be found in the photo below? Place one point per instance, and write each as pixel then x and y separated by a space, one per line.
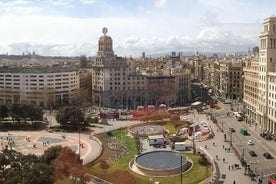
pixel 229 167
pixel 223 159
pixel 223 146
pixel 216 157
pixel 234 182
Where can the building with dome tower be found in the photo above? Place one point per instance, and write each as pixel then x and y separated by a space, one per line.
pixel 119 82
pixel 114 83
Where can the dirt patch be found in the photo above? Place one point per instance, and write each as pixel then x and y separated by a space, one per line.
pixel 106 154
pixel 118 176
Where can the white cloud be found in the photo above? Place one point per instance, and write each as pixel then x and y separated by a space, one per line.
pixel 65 40
pixel 19 2
pixel 62 3
pixel 160 3
pixel 87 2
pixel 209 18
pixel 24 28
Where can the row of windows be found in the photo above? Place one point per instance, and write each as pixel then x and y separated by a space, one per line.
pixel 129 83
pixel 35 76
pixel 35 80
pixel 34 84
pixel 129 88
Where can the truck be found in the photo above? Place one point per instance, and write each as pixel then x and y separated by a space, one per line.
pixel 179 146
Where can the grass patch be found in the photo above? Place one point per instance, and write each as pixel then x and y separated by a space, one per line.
pixel 119 171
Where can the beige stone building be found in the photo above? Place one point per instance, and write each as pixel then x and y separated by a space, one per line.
pixel 114 82
pixel 260 75
pixel 43 86
pixel 231 79
pixel 266 111
pixel 121 83
pixel 250 98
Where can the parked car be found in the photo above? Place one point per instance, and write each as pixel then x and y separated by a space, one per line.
pixel 232 130
pixel 252 153
pixel 204 107
pixel 250 142
pixel 267 155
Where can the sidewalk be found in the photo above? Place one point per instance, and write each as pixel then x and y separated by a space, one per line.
pixel 225 161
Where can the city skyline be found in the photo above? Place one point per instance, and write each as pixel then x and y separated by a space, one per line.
pixel 72 27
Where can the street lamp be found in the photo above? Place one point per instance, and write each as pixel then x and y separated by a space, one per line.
pixel 194 146
pixel 181 168
pixel 201 87
pixel 231 138
pixel 79 141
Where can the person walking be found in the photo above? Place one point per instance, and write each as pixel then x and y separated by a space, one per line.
pixel 234 182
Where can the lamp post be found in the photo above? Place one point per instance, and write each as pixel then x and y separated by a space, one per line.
pixel 181 168
pixel 79 141
pixel 230 138
pixel 201 88
pixel 194 146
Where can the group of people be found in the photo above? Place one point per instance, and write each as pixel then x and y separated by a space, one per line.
pixel 10 142
pixel 233 166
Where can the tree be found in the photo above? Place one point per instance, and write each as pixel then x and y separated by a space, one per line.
pixel 4 111
pixel 43 173
pixel 19 168
pixel 68 165
pixel 50 154
pixel 33 112
pixel 55 164
pixel 25 111
pixel 71 117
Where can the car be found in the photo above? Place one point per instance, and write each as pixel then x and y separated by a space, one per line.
pixel 267 155
pixel 250 142
pixel 252 153
pixel 204 107
pixel 232 130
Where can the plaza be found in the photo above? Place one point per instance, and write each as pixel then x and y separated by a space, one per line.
pixel 33 142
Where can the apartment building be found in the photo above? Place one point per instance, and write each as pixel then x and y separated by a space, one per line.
pixel 260 80
pixel 183 87
pixel 43 86
pixel 251 81
pixel 231 79
pixel 266 111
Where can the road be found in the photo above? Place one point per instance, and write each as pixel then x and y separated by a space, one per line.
pixel 201 92
pixel 259 165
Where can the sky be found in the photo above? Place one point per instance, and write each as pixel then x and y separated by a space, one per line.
pixel 73 27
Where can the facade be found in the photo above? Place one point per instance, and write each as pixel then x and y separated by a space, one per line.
pixel 260 80
pixel 45 87
pixel 251 81
pixel 266 111
pixel 231 80
pixel 114 83
pixel 183 87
